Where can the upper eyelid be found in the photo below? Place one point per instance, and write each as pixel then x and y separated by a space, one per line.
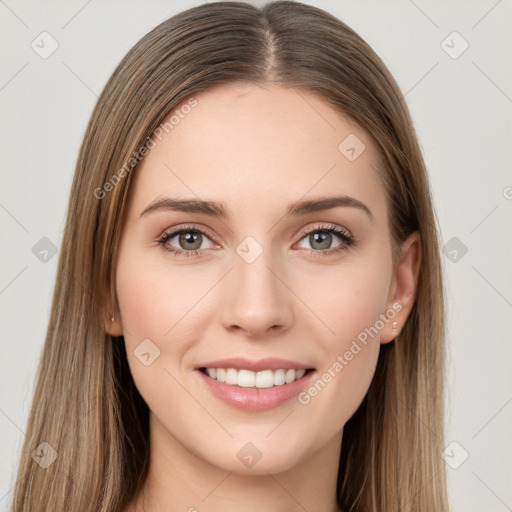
pixel 324 227
pixel 170 233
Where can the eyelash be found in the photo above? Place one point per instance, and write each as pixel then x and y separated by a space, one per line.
pixel 348 240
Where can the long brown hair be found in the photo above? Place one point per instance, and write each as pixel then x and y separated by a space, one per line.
pixel 86 406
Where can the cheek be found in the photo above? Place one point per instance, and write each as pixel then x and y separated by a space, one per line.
pixel 355 307
pixel 168 304
pixel 156 303
pixel 155 297
pixel 348 300
pixel 352 310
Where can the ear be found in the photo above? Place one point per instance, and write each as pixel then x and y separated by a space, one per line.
pixel 111 310
pixel 403 287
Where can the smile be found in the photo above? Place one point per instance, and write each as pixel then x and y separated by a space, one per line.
pixel 254 385
pixel 250 379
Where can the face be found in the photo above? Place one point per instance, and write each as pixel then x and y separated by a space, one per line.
pixel 289 303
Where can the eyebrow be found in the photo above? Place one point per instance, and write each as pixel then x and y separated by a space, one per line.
pixel 218 210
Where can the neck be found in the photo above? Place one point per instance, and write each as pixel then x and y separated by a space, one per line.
pixel 178 480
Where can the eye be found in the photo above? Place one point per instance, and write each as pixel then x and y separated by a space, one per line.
pixel 192 241
pixel 321 238
pixel 187 241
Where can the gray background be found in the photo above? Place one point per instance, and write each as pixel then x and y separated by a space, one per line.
pixel 462 110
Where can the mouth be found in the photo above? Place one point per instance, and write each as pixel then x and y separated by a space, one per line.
pixel 254 385
pixel 250 379
pixel 255 391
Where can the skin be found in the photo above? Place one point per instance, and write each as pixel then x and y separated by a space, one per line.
pixel 256 149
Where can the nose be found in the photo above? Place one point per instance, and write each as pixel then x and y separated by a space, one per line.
pixel 257 300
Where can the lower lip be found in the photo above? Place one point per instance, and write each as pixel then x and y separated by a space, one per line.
pixel 255 399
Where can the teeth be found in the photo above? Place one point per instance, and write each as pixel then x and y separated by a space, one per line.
pixel 231 376
pixel 278 377
pixel 250 379
pixel 300 373
pixel 264 379
pixel 246 378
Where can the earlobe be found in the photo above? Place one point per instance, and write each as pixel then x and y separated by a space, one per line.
pixel 405 282
pixel 111 318
pixel 113 326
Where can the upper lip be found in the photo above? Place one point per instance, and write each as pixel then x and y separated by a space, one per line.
pixel 240 363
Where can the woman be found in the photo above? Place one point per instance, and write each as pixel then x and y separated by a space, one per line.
pixel 248 310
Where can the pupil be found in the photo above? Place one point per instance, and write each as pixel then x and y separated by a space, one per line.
pixel 190 238
pixel 323 238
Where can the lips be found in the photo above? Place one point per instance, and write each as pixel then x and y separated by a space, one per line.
pixel 254 385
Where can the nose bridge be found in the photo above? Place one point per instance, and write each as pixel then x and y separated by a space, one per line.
pixel 258 300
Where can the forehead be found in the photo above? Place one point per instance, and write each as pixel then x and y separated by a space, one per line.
pixel 248 145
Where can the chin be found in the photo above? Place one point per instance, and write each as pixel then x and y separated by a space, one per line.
pixel 255 458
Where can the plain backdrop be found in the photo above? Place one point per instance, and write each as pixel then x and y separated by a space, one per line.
pixel 452 62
